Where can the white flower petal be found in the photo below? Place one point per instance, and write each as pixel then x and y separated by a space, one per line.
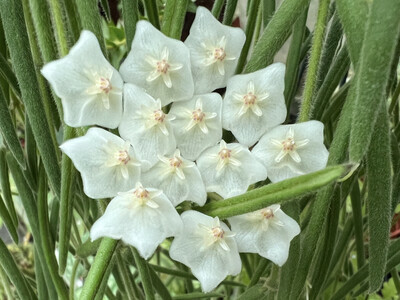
pixel 206 34
pixel 141 226
pixel 74 79
pixel 313 154
pixel 271 241
pixel 192 140
pixel 210 263
pixel 149 45
pixel 230 179
pixel 249 122
pixel 91 155
pixel 148 141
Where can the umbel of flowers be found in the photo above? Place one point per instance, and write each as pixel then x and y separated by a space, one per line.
pixel 165 155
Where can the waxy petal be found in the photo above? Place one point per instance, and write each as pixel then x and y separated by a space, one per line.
pixel 74 78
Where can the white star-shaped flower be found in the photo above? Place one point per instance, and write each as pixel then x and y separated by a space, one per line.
pixel 146 125
pixel 207 246
pixel 229 169
pixel 292 150
pixel 158 64
pixel 267 232
pixel 254 103
pixel 142 217
pixel 107 163
pixel 89 87
pixel 178 178
pixel 198 124
pixel 214 51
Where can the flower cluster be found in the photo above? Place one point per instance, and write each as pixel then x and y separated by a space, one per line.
pixel 165 155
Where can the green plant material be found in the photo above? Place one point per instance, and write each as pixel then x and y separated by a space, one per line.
pixel 9 75
pixel 75 27
pixel 217 7
pixel 50 110
pixel 250 26
pixel 362 274
pixel 276 33
pixel 395 99
pixel 174 18
pixel 40 279
pixel 353 15
pixel 88 248
pixel 5 187
pixel 152 12
pixel 17 39
pixel 14 274
pixel 274 193
pixel 29 203
pixel 72 279
pixel 259 291
pixel 8 131
pixel 382 31
pixel 6 218
pixel 336 104
pixel 103 286
pixel 90 19
pixel 268 7
pixel 356 206
pixel 292 209
pixel 293 59
pixel 124 272
pixel 333 78
pixel 47 246
pixel 314 60
pixel 159 285
pixel 262 265
pixel 230 8
pixel 130 15
pixel 396 281
pixel 143 269
pixel 106 9
pixel 197 296
pixel 98 268
pixel 379 199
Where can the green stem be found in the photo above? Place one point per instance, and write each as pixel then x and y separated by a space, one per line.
pixel 98 268
pixel 46 237
pixel 251 24
pixel 174 17
pixel 61 36
pixel 152 12
pixel 396 279
pixel 130 292
pixel 258 272
pixel 268 7
pixel 217 7
pixel 315 57
pixel 73 278
pixel 230 8
pixel 130 15
pixel 8 74
pixel 142 267
pixel 356 206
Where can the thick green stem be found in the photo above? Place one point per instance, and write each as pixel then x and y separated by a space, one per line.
pixel 217 7
pixel 315 57
pixel 142 267
pixel 98 268
pixel 230 8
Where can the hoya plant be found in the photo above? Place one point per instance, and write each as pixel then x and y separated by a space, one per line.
pixel 177 149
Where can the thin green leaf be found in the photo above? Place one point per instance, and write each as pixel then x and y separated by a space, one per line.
pixel 197 296
pixel 275 34
pixel 5 187
pixel 143 269
pixel 230 8
pixel 5 216
pixel 217 7
pixel 381 36
pixel 379 199
pixel 152 12
pixel 9 75
pixel 130 15
pixel 8 264
pixel 274 193
pixel 17 39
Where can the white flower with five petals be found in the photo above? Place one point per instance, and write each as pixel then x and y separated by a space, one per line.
pixel 229 169
pixel 107 163
pixel 158 64
pixel 178 178
pixel 267 232
pixel 254 103
pixel 198 124
pixel 292 150
pixel 142 217
pixel 214 51
pixel 89 87
pixel 146 125
pixel 208 247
